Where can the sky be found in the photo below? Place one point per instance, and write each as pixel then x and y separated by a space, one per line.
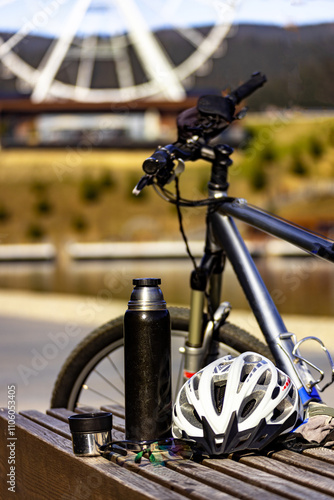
pixel 112 16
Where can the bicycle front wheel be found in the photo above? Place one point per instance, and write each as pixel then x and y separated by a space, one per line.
pixel 93 374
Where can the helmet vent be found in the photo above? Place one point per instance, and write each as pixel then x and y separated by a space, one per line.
pixel 195 382
pixel 275 393
pixel 281 410
pixel 276 413
pixel 248 408
pixel 246 369
pixel 292 394
pixel 281 378
pixel 265 378
pixel 219 391
pixel 191 415
pixel 253 358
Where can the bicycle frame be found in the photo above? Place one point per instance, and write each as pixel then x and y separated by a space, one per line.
pixel 224 238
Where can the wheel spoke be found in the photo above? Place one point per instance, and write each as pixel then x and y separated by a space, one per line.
pixel 116 369
pixel 108 382
pixel 104 396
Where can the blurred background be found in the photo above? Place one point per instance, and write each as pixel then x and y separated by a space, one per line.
pixel 89 88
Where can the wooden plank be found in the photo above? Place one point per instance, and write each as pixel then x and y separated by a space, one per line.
pixel 224 482
pixel 252 477
pixel 157 473
pixel 293 473
pixel 167 475
pixel 63 414
pixel 170 478
pixel 312 465
pixel 115 410
pixel 58 425
pixel 264 477
pixel 325 454
pixel 60 413
pixel 47 468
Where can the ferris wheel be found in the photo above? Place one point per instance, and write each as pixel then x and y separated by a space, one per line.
pixel 142 61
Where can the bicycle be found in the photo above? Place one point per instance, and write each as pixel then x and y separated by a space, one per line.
pixel 202 333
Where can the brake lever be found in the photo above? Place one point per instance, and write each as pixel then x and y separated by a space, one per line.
pixel 146 180
pixel 241 114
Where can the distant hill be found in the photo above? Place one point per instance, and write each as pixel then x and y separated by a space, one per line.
pixel 298 62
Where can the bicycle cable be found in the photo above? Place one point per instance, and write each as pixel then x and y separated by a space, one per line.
pixel 176 199
pixel 185 239
pixel 181 227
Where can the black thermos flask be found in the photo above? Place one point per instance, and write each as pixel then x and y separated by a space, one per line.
pixel 147 357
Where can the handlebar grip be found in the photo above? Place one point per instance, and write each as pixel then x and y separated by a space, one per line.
pixel 247 88
pixel 156 162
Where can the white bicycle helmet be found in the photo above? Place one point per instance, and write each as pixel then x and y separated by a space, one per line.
pixel 235 404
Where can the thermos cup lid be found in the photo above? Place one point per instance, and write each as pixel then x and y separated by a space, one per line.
pixel 146 295
pixel 146 281
pixel 91 422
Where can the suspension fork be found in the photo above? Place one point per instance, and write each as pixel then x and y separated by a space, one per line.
pixel 207 276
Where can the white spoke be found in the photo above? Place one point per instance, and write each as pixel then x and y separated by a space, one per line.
pixel 122 62
pixel 193 36
pixel 87 60
pixel 155 62
pixel 7 46
pixel 163 78
pixel 49 68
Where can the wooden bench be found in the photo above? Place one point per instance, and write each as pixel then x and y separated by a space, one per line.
pixel 46 468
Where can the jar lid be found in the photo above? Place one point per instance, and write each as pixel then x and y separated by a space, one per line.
pixel 90 422
pixel 146 281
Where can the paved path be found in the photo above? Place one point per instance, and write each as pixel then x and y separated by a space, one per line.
pixel 32 324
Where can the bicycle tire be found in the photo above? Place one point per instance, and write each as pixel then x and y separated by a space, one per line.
pixel 103 342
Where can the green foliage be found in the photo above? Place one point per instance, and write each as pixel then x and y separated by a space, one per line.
pixel 258 178
pixel 106 180
pixel 298 166
pixel 39 187
pixel 35 231
pixel 269 154
pixel 90 189
pixel 316 147
pixel 4 214
pixel 79 223
pixel 43 207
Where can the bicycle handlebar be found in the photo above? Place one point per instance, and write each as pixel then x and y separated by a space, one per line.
pixel 247 88
pixel 212 114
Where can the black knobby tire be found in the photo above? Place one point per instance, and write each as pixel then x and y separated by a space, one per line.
pixel 108 338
